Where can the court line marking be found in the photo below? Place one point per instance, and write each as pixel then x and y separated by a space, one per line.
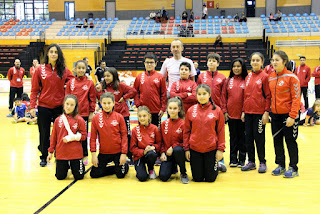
pixel 59 194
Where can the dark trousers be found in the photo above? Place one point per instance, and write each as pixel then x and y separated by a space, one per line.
pixel 13 92
pixel 127 120
pixel 168 167
pixel 45 117
pixel 85 142
pixel 104 170
pixel 317 90
pixel 290 134
pixel 155 119
pixel 204 166
pixel 255 132
pixel 237 141
pixel 77 169
pixel 140 165
pixel 304 92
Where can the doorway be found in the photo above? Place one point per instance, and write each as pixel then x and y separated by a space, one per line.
pixel 251 8
pixel 69 10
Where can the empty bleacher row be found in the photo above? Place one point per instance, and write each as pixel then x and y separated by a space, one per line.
pixel 292 23
pixel 8 54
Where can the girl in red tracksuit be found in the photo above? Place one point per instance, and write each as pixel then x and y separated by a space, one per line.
pixel 316 75
pixel 232 104
pixel 110 129
pixel 213 78
pixel 83 89
pixel 145 143
pixel 204 136
pixel 121 92
pixel 185 88
pixel 151 89
pixel 256 108
pixel 47 88
pixel 68 131
pixel 172 152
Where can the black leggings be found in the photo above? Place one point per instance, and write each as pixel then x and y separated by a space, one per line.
pixel 45 117
pixel 304 92
pixel 204 166
pixel 140 165
pixel 155 120
pixel 85 141
pixel 77 169
pixel 170 166
pixel 237 141
pixel 127 121
pixel 13 92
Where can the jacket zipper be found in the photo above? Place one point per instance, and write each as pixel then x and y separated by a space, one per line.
pixel 275 95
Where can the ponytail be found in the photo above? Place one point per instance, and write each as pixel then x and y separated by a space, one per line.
pixel 213 105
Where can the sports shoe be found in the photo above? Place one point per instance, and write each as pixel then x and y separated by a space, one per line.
pixel 233 164
pixel 9 115
pixel 278 171
pixel 262 168
pixel 152 174
pixel 290 173
pixel 184 179
pixel 130 162
pixel 158 162
pixel 43 162
pixel 241 164
pixel 250 166
pixel 222 167
pixel 85 161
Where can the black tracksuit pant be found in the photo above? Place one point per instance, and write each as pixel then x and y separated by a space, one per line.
pixel 140 165
pixel 255 132
pixel 204 166
pixel 45 117
pixel 237 140
pixel 317 90
pixel 290 134
pixel 13 92
pixel 304 92
pixel 168 167
pixel 77 169
pixel 85 142
pixel 155 120
pixel 104 170
pixel 127 121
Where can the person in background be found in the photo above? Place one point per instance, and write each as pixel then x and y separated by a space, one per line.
pixel 303 72
pixel 243 18
pixel 85 23
pixel 153 15
pixel 316 75
pixel 218 41
pixel 35 64
pixel 236 17
pixel 196 65
pixel 99 74
pixel 191 17
pixel 184 15
pixel 89 68
pixel 278 16
pixel 271 17
pixel 204 11
pixel 19 111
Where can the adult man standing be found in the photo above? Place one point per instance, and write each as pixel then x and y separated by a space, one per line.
pixel 89 69
pixel 99 74
pixel 15 76
pixel 303 73
pixel 170 67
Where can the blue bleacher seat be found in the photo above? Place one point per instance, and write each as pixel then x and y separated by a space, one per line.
pixel 66 34
pixel 111 26
pixel 156 29
pixel 291 30
pixel 93 34
pixel 197 21
pixel 216 21
pixel 114 22
pixel 110 29
pixel 134 18
pixel 263 16
pixel 223 24
pixel 80 34
pixel 217 32
pixel 305 26
pixel 178 21
pixel 216 17
pixel 203 25
pixel 139 22
pixel 300 18
pixel 46 27
pixel 317 22
pixel 282 26
pixel 144 25
pixel 37 30
pixel 291 15
pixel 265 23
pixel 76 30
pixel 237 24
pixel 299 30
pixel 287 23
pixel 83 30
pixel 196 28
pixel 68 23
pixel 178 18
pixel 305 14
pixel 210 28
pixel 149 29
pixel 297 26
pixel 203 28
pixel 141 18
pixel 313 26
pixel 280 23
pixel 100 22
pixel 59 34
pixel 308 18
pixel 264 19
pixel 65 26
pixel 73 34
pixel 138 26
pixel 229 17
pixel 137 29
pixel 69 30
pixel 315 30
pixel 312 14
pixel 109 19
pixel 276 31
pixel 96 30
pixel 197 25
pixel 274 27
pixel 268 31
pixel 238 31
pixel 239 28
pixel 289 26
pixel 203 21
pixel 285 19
pixel 272 23
pixel 102 30
pixel 293 19
pixel 298 15
pixel 217 28
pixel 10 30
pixel 244 24
pixel 216 24
pixel 176 32
pixel 246 31
pixel 210 32
pixel 86 33
pixel 17 30
pixel 284 31
pixel 100 34
pixel 210 17
pixel 32 34
pixel 295 23
pixel 151 26
pixel 307 30
pixel 149 33
pixel 104 19
pixel 153 22
pixel 133 22
pixel 302 22
pixel 315 18
pixel 310 22
pixel 89 30
pixel 245 27
pixel 6 34
pixel 210 25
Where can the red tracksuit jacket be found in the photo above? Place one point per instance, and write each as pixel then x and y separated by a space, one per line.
pixel 124 91
pixel 181 88
pixel 15 76
pixel 269 69
pixel 316 74
pixel 304 75
pixel 112 132
pixel 171 133
pixel 204 129
pixel 71 150
pixel 215 80
pixel 151 91
pixel 257 97
pixel 232 96
pixel 143 136
pixel 49 85
pixel 85 92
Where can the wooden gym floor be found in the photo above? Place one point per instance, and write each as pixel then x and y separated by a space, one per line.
pixel 26 188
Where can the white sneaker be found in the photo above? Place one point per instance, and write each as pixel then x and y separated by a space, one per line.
pixel 152 174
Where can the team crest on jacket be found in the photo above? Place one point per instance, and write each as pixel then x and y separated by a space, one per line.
pixel 259 82
pixel 242 86
pixel 211 115
pixel 152 135
pixel 116 92
pixel 179 130
pixel 75 126
pixel 156 80
pixel 281 83
pixel 219 80
pixel 189 88
pixel 60 123
pixel 114 123
pixel 100 123
pixel 85 87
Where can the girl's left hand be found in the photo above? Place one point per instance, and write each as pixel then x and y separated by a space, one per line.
pixel 123 159
pixel 121 100
pixel 290 122
pixel 170 151
pixel 219 155
pixel 265 118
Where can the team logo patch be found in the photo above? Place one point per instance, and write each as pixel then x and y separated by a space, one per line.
pixel 114 123
pixel 189 88
pixel 242 86
pixel 259 82
pixel 75 126
pixel 219 80
pixel 281 83
pixel 116 92
pixel 85 87
pixel 211 115
pixel 152 135
pixel 156 80
pixel 179 130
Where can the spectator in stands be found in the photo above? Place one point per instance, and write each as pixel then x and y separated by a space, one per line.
pixel 85 23
pixel 218 41
pixel 278 16
pixel 99 74
pixel 91 25
pixel 170 67
pixel 158 16
pixel 182 31
pixel 204 11
pixel 35 64
pixel 191 17
pixel 89 68
pixel 15 76
pixel 184 15
pixel 164 15
pixel 153 15
pixel 243 18
pixel 236 17
pixel 190 30
pixel 271 17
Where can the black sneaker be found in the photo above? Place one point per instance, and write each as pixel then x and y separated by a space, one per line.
pixel 184 179
pixel 241 164
pixel 43 162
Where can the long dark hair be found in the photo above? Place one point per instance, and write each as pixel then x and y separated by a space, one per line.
pixel 178 100
pixel 60 61
pixel 285 58
pixel 113 71
pixel 244 72
pixel 76 108
pixel 208 89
